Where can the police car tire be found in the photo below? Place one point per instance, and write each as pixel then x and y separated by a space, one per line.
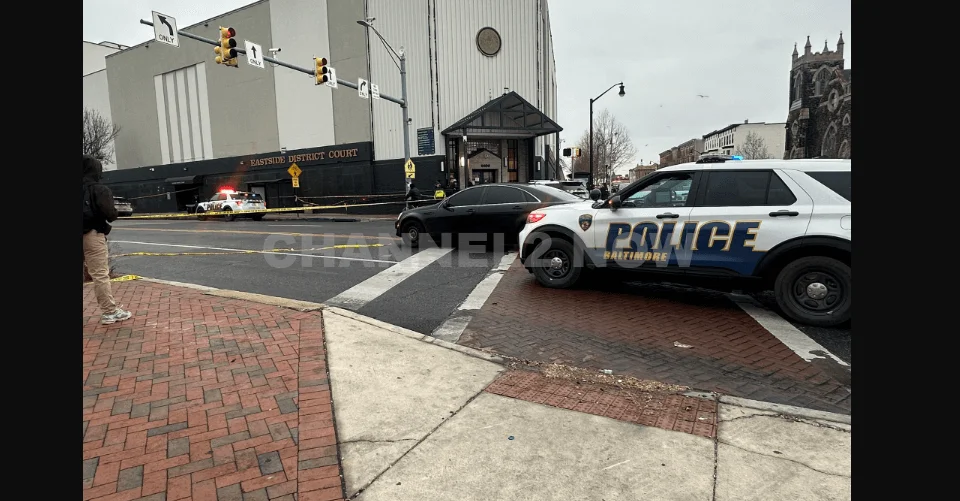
pixel 543 276
pixel 416 228
pixel 201 210
pixel 787 279
pixel 229 217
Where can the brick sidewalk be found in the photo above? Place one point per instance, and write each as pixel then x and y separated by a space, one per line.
pixel 631 329
pixel 205 398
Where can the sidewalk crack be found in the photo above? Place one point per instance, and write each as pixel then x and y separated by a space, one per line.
pixel 366 441
pixel 784 459
pixel 419 441
pixel 787 417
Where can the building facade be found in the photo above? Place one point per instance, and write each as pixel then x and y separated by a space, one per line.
pixel 734 139
pixel 818 120
pixel 96 92
pixel 642 170
pixel 687 151
pixel 480 76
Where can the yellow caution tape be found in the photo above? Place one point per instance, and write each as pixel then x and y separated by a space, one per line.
pixel 343 246
pixel 255 211
pixel 125 278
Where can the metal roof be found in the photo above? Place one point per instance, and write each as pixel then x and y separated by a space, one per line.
pixel 506 116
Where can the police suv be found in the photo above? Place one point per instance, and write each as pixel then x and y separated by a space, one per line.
pixel 780 225
pixel 228 200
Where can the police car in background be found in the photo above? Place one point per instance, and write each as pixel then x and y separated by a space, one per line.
pixel 228 200
pixel 780 225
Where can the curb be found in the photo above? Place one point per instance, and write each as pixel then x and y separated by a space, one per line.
pixel 293 304
pixel 413 335
pixel 306 306
pixel 789 410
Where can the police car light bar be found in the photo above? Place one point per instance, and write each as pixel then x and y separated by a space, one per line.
pixel 226 190
pixel 709 159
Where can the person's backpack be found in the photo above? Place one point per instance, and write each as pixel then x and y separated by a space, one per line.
pixel 89 209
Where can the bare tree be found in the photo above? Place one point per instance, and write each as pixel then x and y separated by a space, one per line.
pixel 753 148
pixel 612 148
pixel 98 136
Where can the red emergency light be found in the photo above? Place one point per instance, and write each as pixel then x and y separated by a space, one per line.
pixel 226 190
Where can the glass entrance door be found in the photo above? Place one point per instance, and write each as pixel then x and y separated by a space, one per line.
pixel 485 176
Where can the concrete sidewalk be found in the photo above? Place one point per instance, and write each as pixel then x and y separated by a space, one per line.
pixel 212 394
pixel 419 419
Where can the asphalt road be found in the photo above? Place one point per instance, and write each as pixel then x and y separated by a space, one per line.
pixel 357 265
pixel 310 261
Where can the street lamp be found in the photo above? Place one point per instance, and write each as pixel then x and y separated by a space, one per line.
pixel 403 86
pixel 622 93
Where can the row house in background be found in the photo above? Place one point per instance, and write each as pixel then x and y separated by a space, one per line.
pixel 751 140
pixel 685 152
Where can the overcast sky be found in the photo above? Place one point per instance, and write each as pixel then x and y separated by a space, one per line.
pixel 736 52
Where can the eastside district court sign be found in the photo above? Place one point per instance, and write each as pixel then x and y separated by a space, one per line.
pixel 357 152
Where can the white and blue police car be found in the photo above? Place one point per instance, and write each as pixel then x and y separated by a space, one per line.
pixel 780 225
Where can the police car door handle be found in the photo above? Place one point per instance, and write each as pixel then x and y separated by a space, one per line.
pixel 784 213
pixel 667 215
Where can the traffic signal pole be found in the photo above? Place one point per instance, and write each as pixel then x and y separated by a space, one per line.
pixel 345 83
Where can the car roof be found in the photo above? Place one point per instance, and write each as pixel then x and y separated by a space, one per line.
pixel 813 164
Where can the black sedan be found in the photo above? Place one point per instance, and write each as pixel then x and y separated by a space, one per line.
pixel 487 209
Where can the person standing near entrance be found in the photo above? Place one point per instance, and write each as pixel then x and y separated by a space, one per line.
pixel 98 213
pixel 413 194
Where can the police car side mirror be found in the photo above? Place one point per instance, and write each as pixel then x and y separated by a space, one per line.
pixel 615 203
pixel 595 195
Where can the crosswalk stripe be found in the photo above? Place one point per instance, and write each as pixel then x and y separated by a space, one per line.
pixel 452 328
pixel 368 290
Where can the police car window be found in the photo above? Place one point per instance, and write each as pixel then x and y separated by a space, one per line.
pixel 838 182
pixel 246 196
pixel 727 188
pixel 669 191
pixel 503 195
pixel 466 197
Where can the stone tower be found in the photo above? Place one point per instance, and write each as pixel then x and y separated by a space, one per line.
pixel 819 99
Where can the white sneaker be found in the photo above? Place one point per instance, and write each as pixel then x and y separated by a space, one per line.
pixel 116 316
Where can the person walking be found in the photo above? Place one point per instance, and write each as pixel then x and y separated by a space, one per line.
pixel 98 213
pixel 604 191
pixel 413 194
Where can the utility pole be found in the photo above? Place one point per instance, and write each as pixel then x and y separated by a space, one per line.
pixel 406 111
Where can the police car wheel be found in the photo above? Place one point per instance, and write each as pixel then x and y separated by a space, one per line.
pixel 815 291
pixel 200 210
pixel 229 217
pixel 412 231
pixel 555 267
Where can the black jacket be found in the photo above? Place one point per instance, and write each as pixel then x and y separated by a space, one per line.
pixel 101 196
pixel 414 194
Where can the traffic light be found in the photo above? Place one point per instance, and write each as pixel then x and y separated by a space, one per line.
pixel 567 152
pixel 226 51
pixel 576 152
pixel 322 73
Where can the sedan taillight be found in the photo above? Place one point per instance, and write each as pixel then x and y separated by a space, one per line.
pixel 535 217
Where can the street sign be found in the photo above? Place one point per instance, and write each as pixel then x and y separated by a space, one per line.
pixel 294 170
pixel 375 90
pixel 296 182
pixel 165 29
pixel 254 54
pixel 410 169
pixel 439 194
pixel 332 73
pixel 363 88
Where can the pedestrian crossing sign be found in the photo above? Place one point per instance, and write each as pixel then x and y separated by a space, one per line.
pixel 410 169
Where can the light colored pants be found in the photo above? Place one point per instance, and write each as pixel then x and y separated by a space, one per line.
pixel 95 257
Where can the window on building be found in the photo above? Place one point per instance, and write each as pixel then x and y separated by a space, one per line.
pixel 798 86
pixel 746 189
pixel 820 81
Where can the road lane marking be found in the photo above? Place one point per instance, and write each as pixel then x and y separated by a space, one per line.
pixel 359 295
pixel 247 232
pixel 315 249
pixel 793 338
pixel 246 251
pixel 452 328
